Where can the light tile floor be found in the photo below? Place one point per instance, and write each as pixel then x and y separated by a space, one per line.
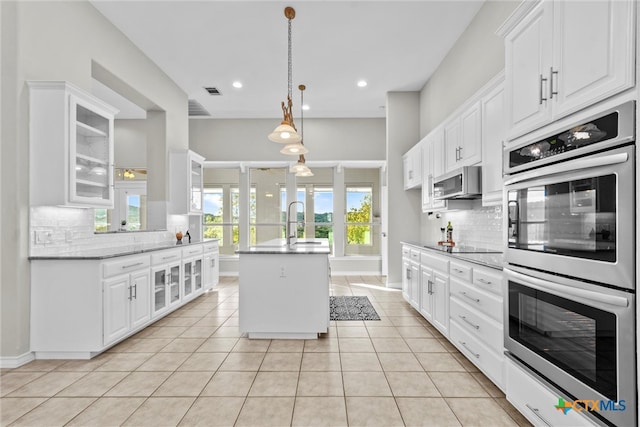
pixel 193 367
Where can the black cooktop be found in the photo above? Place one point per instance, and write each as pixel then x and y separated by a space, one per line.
pixel 462 249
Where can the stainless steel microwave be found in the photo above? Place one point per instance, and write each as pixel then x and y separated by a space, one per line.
pixel 461 183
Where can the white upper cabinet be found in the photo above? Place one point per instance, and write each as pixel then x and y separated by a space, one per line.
pixel 432 166
pixel 563 56
pixel 412 167
pixel 462 139
pixel 493 135
pixel 186 187
pixel 71 147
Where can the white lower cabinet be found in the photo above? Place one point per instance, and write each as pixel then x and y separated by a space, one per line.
pixel 211 265
pixel 411 277
pixel 434 304
pixel 537 402
pixel 165 280
pixel 192 279
pixel 82 306
pixel 126 303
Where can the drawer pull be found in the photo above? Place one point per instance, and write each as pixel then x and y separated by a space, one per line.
pixel 464 294
pixel 458 270
pixel 464 344
pixel 486 282
pixel 169 257
pixel 536 412
pixel 132 265
pixel 464 318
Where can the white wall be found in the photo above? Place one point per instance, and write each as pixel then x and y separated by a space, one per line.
pixel 403 218
pixel 58 41
pixel 130 143
pixel 476 57
pixel 326 139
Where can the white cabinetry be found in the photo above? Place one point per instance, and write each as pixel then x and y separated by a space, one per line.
pixel 165 280
pixel 186 184
pixel 126 301
pixel 493 136
pixel 211 265
pixel 563 56
pixel 82 306
pixel 192 277
pixel 432 166
pixel 434 304
pixel 71 147
pixel 532 398
pixel 412 167
pixel 411 276
pixel 476 317
pixel 462 139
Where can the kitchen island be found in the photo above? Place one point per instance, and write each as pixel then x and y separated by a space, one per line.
pixel 284 289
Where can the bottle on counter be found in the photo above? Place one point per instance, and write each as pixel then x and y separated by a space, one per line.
pixel 449 232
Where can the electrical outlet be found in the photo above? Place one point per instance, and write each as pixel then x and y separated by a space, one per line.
pixel 43 237
pixel 282 271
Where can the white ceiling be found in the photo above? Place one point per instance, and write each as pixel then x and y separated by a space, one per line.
pixel 393 45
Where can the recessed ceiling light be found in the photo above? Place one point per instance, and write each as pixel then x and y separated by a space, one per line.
pixel 305 107
pixel 237 85
pixel 362 83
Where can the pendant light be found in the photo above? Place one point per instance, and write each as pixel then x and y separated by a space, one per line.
pixel 286 132
pixel 300 168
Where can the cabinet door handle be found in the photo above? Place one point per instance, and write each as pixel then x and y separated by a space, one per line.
pixel 536 412
pixel 129 293
pixel 135 291
pixel 410 174
pixel 132 265
pixel 551 91
pixel 464 344
pixel 460 153
pixel 430 287
pixel 464 318
pixel 542 79
pixel 408 273
pixel 464 294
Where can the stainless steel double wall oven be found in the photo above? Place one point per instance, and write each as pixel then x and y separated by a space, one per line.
pixel 570 211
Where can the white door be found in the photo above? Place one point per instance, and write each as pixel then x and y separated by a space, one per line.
pixel 527 65
pixel 452 142
pixel 470 151
pixel 426 301
pixel 593 52
pixel 140 302
pixel 116 301
pixel 440 302
pixel 384 228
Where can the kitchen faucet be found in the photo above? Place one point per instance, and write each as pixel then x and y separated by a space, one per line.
pixel 288 231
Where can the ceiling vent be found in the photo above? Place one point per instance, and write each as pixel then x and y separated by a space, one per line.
pixel 197 110
pixel 213 90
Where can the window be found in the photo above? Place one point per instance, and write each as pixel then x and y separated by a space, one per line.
pixel 266 214
pixel 359 215
pixel 362 205
pixel 220 217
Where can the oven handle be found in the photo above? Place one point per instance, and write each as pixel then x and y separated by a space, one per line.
pixel 568 290
pixel 577 164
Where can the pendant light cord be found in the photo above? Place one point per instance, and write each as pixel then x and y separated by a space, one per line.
pixel 289 64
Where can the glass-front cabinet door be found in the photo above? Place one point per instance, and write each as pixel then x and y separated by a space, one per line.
pixel 91 142
pixel 159 300
pixel 188 283
pixel 197 275
pixel 174 284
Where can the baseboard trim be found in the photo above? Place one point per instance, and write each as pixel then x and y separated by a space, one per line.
pixel 16 361
pixel 394 285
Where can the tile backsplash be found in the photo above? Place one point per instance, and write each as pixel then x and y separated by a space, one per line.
pixel 480 226
pixel 56 230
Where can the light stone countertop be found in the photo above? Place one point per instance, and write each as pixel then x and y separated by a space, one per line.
pixel 116 251
pixel 493 260
pixel 279 247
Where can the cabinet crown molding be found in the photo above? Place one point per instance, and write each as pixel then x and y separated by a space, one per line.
pixel 516 16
